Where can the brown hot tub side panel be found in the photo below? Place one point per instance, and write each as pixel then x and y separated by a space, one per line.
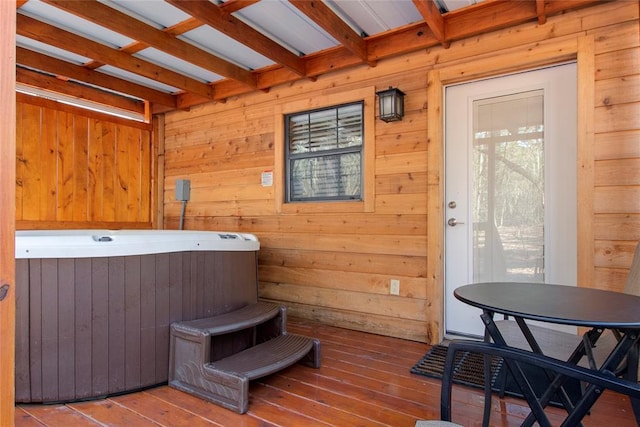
pixel 89 327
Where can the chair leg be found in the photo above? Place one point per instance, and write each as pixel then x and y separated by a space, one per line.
pixel 447 384
pixel 487 390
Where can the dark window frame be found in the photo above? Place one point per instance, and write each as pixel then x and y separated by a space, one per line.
pixel 291 158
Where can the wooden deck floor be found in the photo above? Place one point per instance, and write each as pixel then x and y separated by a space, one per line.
pixel 364 381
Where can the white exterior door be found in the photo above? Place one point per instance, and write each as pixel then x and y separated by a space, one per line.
pixel 510 185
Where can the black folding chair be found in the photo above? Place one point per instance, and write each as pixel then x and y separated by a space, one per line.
pixel 513 358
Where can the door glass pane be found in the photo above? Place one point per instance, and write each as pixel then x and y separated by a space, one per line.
pixel 508 188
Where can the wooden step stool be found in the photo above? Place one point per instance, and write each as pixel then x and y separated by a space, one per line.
pixel 215 358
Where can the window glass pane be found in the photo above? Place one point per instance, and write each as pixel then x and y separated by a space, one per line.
pixel 508 207
pixel 336 176
pixel 325 154
pixel 299 134
pixel 350 126
pixel 351 174
pixel 322 130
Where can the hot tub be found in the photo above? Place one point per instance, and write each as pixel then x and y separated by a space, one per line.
pixel 93 307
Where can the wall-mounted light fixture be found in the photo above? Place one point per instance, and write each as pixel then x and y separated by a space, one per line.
pixel 391 104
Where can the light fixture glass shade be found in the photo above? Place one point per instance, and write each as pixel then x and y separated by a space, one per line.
pixel 391 104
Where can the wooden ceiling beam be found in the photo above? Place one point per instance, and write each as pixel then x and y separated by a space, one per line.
pixel 322 15
pixel 231 6
pixel 175 30
pixel 434 20
pixel 212 15
pixel 57 37
pixel 492 15
pixel 402 40
pixel 410 38
pixel 79 73
pixel 552 7
pixel 120 22
pixel 542 16
pixel 183 27
pixel 486 16
pixel 53 84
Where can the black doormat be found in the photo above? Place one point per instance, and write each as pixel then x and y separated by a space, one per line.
pixel 469 371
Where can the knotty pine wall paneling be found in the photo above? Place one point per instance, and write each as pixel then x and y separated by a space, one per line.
pixel 80 169
pixel 335 266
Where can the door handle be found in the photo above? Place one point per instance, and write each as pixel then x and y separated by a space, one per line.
pixel 453 222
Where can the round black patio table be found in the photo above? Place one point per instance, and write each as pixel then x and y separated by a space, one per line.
pixel 596 309
pixel 568 305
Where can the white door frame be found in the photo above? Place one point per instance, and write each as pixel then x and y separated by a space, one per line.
pixel 557 85
pixel 582 49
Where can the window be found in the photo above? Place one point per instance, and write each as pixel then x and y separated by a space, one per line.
pixel 349 195
pixel 324 154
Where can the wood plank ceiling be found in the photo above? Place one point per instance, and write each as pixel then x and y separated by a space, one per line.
pixel 131 54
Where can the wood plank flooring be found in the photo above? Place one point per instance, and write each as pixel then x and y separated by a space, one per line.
pixel 364 381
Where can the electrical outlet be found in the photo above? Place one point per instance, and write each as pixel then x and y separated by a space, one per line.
pixel 394 288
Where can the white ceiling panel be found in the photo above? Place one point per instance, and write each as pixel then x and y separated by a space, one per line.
pixel 284 23
pixel 117 72
pixel 225 47
pixel 178 65
pixel 375 16
pixel 72 23
pixel 158 13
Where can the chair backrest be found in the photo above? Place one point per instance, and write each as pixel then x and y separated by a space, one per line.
pixel 513 356
pixel 632 285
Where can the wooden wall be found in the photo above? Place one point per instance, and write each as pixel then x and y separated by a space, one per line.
pixel 7 204
pixel 334 264
pixel 80 169
pixel 616 151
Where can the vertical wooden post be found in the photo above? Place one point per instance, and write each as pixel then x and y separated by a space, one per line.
pixel 435 203
pixel 586 161
pixel 157 172
pixel 7 209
